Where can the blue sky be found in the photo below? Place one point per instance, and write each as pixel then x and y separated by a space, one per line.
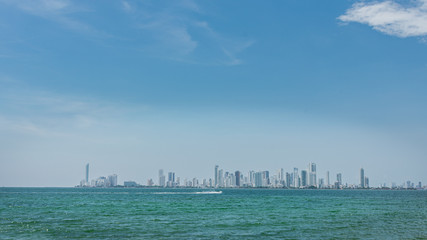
pixel 134 86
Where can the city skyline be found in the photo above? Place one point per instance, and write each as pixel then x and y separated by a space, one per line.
pixel 303 179
pixel 132 86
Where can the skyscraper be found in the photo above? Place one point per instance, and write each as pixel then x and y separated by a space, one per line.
pixel 339 179
pixel 171 179
pixel 221 178
pixel 296 178
pixel 362 178
pixel 237 174
pixel 366 182
pixel 87 173
pixel 282 176
pixel 216 176
pixel 312 176
pixel 327 179
pixel 288 180
pixel 258 179
pixel 162 179
pixel 303 178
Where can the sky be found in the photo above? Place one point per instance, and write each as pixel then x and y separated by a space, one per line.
pixel 131 87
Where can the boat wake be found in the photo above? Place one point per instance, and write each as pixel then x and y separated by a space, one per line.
pixel 204 192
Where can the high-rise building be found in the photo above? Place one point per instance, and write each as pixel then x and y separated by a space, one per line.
pixel 252 178
pixel 87 173
pixel 266 178
pixel 237 175
pixel 303 178
pixel 112 180
pixel 288 180
pixel 221 178
pixel 171 179
pixel 296 178
pixel 259 179
pixel 327 179
pixel 162 178
pixel 339 179
pixel 321 183
pixel 216 176
pixel 312 176
pixel 366 182
pixel 362 178
pixel 282 176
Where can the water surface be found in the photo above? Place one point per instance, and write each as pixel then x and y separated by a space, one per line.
pixel 57 213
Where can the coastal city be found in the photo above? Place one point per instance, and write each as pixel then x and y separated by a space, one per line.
pixel 296 179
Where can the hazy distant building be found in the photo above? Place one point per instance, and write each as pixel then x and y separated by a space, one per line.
pixel 282 176
pixel 312 175
pixel 258 179
pixel 101 182
pixel 339 179
pixel 362 178
pixel 150 182
pixel 366 182
pixel 216 176
pixel 288 182
pixel 87 173
pixel 112 180
pixel 171 179
pixel 130 184
pixel 321 183
pixel 221 178
pixel 303 178
pixel 296 178
pixel 238 178
pixel 266 178
pixel 327 179
pixel 162 178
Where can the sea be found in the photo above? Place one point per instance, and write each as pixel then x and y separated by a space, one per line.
pixel 150 213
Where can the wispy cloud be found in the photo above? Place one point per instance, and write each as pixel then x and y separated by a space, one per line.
pixel 179 31
pixel 58 11
pixel 390 17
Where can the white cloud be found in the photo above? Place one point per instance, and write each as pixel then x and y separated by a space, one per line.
pixel 391 17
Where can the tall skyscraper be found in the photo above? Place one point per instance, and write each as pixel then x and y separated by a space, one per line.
pixel 312 176
pixel 237 175
pixel 87 173
pixel 162 178
pixel 216 176
pixel 327 179
pixel 339 179
pixel 171 179
pixel 288 180
pixel 282 176
pixel 221 178
pixel 362 178
pixel 259 179
pixel 296 178
pixel 366 182
pixel 303 178
pixel 266 178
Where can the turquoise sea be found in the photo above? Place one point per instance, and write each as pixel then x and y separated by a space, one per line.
pixel 58 213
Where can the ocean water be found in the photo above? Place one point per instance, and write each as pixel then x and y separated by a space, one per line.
pixel 60 213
